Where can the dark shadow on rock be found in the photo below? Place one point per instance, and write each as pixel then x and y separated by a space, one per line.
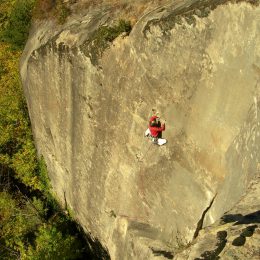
pixel 214 254
pixel 246 232
pixel 143 229
pixel 231 218
pixel 95 250
pixel 166 254
pixel 250 218
pixel 240 219
pixel 239 241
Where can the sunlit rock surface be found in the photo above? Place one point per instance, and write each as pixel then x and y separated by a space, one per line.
pixel 198 64
pixel 235 236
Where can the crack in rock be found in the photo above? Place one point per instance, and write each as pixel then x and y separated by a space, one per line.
pixel 200 223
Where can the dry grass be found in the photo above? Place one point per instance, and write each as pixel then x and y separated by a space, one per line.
pixel 52 9
pixel 130 10
pixel 44 9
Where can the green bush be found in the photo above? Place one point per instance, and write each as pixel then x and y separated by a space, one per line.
pixel 19 219
pixel 62 12
pixel 108 34
pixel 101 38
pixel 17 29
pixel 27 232
pixel 43 175
pixel 24 163
pixel 51 243
pixel 17 149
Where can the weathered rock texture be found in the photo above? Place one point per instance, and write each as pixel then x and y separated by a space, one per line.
pixel 199 65
pixel 235 236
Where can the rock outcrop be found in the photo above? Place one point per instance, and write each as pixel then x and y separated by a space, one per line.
pixel 235 236
pixel 198 63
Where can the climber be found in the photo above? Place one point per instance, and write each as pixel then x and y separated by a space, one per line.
pixel 156 127
pixel 155 130
pixel 155 115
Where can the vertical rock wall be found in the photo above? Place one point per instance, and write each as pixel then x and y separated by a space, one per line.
pixel 200 71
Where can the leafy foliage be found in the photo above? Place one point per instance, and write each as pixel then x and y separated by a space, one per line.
pixel 17 150
pixel 5 10
pixel 18 219
pixel 101 38
pixel 62 11
pixel 26 231
pixel 43 8
pixel 19 21
pixel 108 34
pixel 50 243
pixel 52 9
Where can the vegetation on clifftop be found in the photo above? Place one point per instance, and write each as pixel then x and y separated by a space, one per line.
pixel 15 21
pixel 103 36
pixel 47 9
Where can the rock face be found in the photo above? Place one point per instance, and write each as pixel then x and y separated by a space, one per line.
pixel 199 65
pixel 235 236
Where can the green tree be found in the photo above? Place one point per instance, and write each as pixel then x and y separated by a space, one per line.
pixel 26 231
pixel 51 243
pixel 19 219
pixel 16 30
pixel 17 150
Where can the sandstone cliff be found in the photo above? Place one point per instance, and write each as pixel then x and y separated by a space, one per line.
pixel 198 63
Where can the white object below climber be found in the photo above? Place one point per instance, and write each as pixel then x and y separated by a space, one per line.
pixel 159 141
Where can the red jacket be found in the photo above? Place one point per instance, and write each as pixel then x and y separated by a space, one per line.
pixel 155 130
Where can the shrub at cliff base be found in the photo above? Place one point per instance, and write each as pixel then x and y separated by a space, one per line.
pixel 26 234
